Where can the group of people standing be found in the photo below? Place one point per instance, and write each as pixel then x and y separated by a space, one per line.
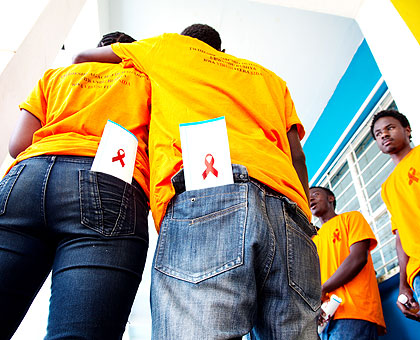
pixel 232 260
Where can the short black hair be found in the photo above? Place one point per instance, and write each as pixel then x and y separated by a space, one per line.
pixel 114 37
pixel 205 33
pixel 389 113
pixel 329 193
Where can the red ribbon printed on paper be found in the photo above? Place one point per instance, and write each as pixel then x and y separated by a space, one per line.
pixel 119 157
pixel 209 167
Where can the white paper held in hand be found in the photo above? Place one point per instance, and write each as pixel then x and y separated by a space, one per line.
pixel 205 154
pixel 116 154
pixel 329 309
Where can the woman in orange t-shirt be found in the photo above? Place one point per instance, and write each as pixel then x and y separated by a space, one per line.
pixel 89 228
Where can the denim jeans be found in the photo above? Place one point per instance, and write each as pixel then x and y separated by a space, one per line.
pixel 350 329
pixel 89 228
pixel 234 259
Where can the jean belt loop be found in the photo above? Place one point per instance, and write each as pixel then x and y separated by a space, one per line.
pixel 240 173
pixel 178 181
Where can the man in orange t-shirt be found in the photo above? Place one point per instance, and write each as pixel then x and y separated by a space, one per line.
pixel 344 243
pixel 401 194
pixel 220 268
pixel 89 228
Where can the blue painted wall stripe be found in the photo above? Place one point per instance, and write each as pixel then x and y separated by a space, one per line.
pixel 354 87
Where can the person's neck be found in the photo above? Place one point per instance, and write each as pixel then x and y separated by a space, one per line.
pixel 327 216
pixel 398 157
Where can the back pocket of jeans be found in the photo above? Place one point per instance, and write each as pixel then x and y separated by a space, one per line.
pixel 6 185
pixel 107 203
pixel 303 263
pixel 203 233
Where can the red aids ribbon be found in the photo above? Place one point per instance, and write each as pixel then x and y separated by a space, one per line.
pixel 119 157
pixel 412 176
pixel 209 167
pixel 336 235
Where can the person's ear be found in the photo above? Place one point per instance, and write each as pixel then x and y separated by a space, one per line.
pixel 408 130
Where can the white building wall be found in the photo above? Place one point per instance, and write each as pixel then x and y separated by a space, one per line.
pixel 31 51
pixel 397 54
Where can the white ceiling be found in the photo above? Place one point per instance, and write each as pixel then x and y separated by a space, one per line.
pixel 346 8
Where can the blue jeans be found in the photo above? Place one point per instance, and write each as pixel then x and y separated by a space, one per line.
pixel 234 259
pixel 350 329
pixel 89 228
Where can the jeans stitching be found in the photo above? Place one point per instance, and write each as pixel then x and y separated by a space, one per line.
pixel 299 290
pixel 220 268
pixel 272 252
pixel 44 188
pixel 219 195
pixel 216 214
pixel 10 179
pixel 121 214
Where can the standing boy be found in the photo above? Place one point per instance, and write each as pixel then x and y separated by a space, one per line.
pixel 401 194
pixel 344 243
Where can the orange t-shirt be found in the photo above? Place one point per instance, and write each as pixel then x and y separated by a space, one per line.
pixel 401 194
pixel 193 82
pixel 74 103
pixel 361 299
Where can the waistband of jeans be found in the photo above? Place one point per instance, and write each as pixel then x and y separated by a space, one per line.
pixel 76 159
pixel 64 158
pixel 240 175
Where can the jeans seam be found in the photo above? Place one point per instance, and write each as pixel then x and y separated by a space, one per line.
pixel 272 251
pixel 215 214
pixel 123 203
pixel 44 188
pixel 223 194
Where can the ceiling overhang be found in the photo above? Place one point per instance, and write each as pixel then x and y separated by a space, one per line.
pixel 347 8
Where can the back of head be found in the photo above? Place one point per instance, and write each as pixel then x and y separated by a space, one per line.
pixel 204 33
pixel 114 37
pixel 389 113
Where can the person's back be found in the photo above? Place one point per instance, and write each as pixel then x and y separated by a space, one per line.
pixel 220 269
pixel 74 103
pixel 89 228
pixel 200 83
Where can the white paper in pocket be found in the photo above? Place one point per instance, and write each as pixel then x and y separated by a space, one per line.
pixel 116 154
pixel 205 154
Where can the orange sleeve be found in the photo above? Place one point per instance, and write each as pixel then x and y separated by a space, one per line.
pixel 360 230
pixel 36 102
pixel 291 115
pixel 138 54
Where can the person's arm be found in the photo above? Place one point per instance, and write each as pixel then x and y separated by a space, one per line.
pixel 298 158
pixel 349 268
pixel 103 54
pixel 404 286
pixel 22 135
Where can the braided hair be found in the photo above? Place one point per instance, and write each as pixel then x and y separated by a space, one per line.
pixel 112 38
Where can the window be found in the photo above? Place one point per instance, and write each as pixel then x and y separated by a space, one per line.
pixel 355 177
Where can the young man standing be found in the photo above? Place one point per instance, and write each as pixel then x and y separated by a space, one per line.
pixel 344 243
pixel 401 194
pixel 236 258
